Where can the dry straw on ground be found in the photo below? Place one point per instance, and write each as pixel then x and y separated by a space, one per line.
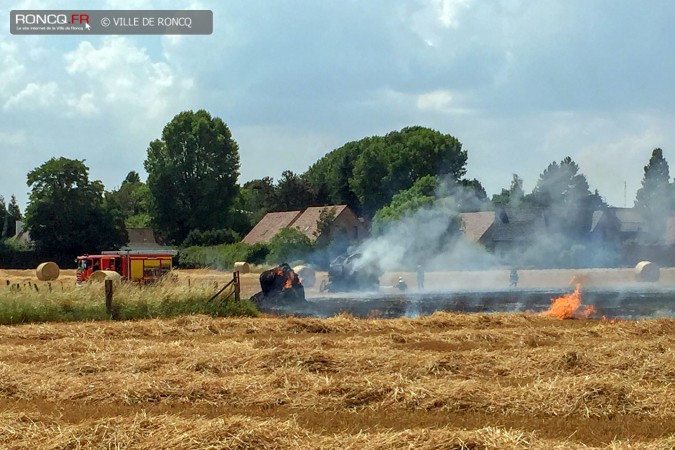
pixel 445 381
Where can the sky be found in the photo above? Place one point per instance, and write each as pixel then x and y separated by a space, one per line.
pixel 520 83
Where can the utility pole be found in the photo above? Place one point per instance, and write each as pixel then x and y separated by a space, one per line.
pixel 625 202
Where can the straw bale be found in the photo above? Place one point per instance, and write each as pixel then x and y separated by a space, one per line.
pixel 47 271
pixel 242 267
pixel 647 271
pixel 101 275
pixel 307 275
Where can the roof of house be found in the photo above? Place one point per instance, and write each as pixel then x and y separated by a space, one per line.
pixel 629 220
pixel 141 237
pixel 476 224
pixel 270 225
pixel 307 222
pixel 517 224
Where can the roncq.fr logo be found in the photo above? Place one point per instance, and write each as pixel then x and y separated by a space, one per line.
pixel 51 19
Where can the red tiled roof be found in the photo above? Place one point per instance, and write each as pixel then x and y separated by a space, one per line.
pixel 270 225
pixel 307 221
pixel 476 224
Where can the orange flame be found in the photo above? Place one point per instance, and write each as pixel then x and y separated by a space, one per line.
pixel 289 280
pixel 569 307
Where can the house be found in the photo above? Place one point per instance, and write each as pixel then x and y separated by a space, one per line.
pixel 617 225
pixel 307 222
pixel 21 235
pixel 270 225
pixel 505 229
pixel 141 238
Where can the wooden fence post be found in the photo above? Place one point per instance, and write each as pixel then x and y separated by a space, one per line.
pixel 109 297
pixel 237 287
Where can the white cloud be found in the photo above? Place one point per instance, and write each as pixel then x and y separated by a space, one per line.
pixel 34 96
pixel 448 11
pixel 124 76
pixel 432 20
pixel 437 100
pixel 12 70
pixel 83 105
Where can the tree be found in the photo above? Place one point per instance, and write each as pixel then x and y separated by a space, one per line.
pixel 510 197
pixel 3 218
pixel 192 175
pixel 66 213
pixel 12 214
pixel 654 198
pixel 399 159
pixel 287 245
pixel 292 192
pixel 257 196
pixel 563 192
pixel 132 200
pixel 366 174
pixel 406 202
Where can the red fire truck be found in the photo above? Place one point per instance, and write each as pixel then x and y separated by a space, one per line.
pixel 144 266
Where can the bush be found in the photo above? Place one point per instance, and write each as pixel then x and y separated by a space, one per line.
pixel 221 256
pixel 288 245
pixel 210 237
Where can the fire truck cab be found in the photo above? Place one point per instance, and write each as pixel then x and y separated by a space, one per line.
pixel 143 266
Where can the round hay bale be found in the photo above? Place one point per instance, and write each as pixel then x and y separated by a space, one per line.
pixel 101 275
pixel 242 267
pixel 48 271
pixel 307 275
pixel 647 271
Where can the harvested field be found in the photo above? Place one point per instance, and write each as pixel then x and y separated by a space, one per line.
pixel 446 381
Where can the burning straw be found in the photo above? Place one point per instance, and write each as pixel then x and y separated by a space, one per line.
pixel 569 307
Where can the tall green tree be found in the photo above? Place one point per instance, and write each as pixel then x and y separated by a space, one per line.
pixel 513 196
pixel 292 192
pixel 132 200
pixel 366 174
pixel 563 192
pixel 254 199
pixel 654 199
pixel 66 214
pixel 399 159
pixel 192 175
pixel 13 214
pixel 3 218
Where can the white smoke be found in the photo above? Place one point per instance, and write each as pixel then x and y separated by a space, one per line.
pixel 430 236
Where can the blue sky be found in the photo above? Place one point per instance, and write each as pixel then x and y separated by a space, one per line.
pixel 519 83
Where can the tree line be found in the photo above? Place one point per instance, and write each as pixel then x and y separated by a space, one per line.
pixel 192 195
